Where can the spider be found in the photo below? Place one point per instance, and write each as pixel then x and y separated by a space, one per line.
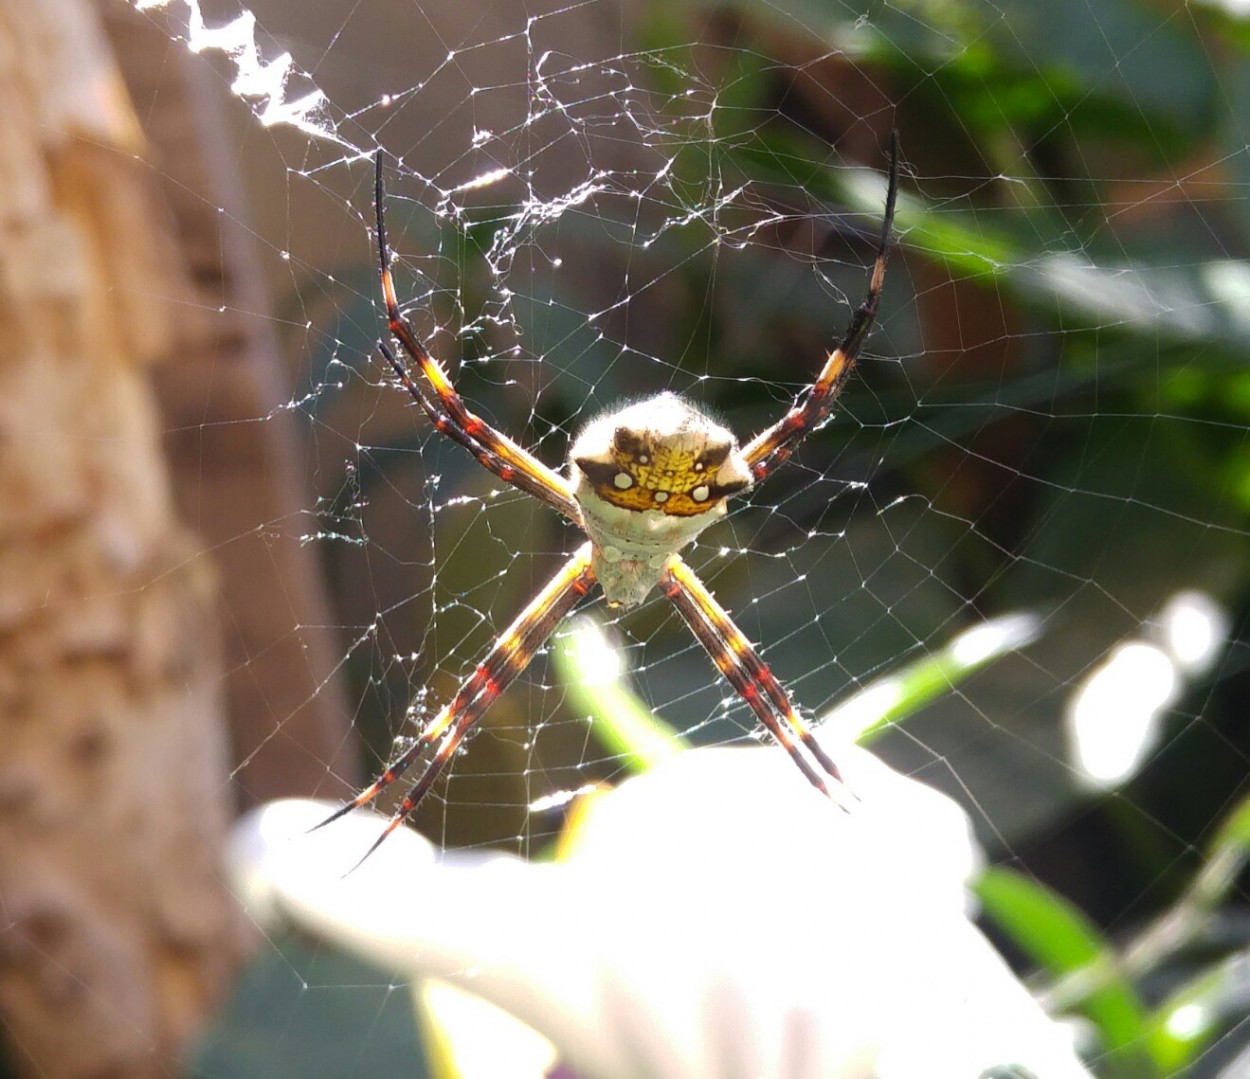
pixel 642 483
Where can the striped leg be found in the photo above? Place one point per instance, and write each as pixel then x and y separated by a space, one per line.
pixel 508 657
pixel 445 425
pixel 493 449
pixel 737 660
pixel 771 447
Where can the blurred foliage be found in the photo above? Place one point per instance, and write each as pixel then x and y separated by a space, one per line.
pixel 304 1010
pixel 1091 975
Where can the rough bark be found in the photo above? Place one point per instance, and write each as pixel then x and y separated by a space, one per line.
pixel 234 453
pixel 118 931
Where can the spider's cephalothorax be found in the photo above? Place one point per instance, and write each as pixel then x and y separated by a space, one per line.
pixel 643 482
pixel 649 479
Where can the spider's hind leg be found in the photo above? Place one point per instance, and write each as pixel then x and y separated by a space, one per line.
pixel 507 658
pixel 736 658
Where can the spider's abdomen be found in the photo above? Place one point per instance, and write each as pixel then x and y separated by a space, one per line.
pixel 649 479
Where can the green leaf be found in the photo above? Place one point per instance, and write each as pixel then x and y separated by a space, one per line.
pixel 1227 855
pixel 1194 1015
pixel 591 667
pixel 890 699
pixel 1200 300
pixel 1063 942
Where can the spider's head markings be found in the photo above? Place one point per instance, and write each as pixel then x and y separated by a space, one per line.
pixel 648 479
pixel 659 454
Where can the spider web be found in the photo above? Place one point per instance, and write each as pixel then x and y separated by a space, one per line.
pixel 593 202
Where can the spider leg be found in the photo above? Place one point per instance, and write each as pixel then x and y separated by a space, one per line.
pixel 510 462
pixel 508 657
pixel 772 446
pixel 444 424
pixel 736 658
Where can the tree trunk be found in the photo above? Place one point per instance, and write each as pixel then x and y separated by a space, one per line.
pixel 118 931
pixel 240 483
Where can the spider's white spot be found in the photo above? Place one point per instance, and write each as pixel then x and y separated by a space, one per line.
pixel 644 459
pixel 698 466
pixel 701 493
pixel 661 496
pixel 622 481
pixel 612 554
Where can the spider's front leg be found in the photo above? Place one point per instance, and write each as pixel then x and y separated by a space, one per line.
pixel 772 446
pixel 736 658
pixel 445 407
pixel 508 657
